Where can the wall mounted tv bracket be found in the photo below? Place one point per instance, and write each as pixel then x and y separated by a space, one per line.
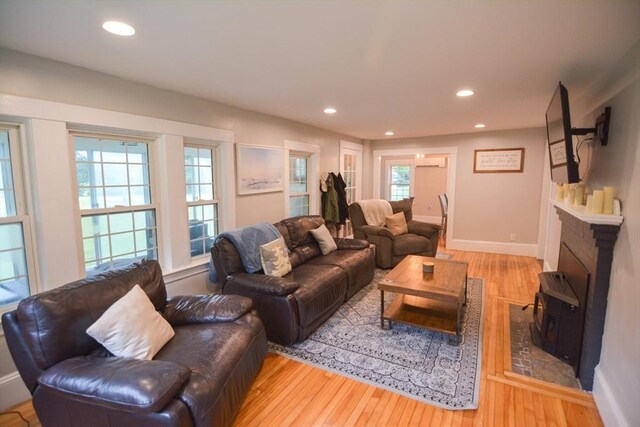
pixel 601 129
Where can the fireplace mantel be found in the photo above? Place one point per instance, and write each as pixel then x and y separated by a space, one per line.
pixel 591 239
pixel 580 212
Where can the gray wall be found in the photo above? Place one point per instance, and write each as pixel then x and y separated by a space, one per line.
pixel 489 207
pixel 35 77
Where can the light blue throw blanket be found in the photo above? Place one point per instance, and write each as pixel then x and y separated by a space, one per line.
pixel 247 241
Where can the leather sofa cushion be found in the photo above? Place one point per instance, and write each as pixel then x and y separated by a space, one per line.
pixel 211 353
pixel 410 244
pixel 300 227
pixel 404 205
pixel 120 383
pixel 358 264
pixel 304 253
pixel 320 287
pixel 53 323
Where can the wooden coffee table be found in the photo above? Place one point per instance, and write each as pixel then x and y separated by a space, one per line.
pixel 426 300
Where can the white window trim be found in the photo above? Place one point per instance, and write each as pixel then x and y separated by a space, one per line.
pixel 57 116
pixel 348 147
pixel 215 153
pixel 23 200
pixel 398 162
pixel 153 183
pixel 313 173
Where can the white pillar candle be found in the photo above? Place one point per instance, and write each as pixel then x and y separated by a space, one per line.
pixel 579 195
pixel 607 206
pixel 597 202
pixel 589 203
pixel 571 195
pixel 559 192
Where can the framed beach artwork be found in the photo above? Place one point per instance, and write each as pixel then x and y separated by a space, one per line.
pixel 259 169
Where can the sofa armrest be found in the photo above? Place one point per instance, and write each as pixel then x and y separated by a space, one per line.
pixel 188 310
pixel 351 243
pixel 263 284
pixel 130 385
pixel 375 230
pixel 423 228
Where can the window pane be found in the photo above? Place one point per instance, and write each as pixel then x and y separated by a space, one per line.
pixel 206 192
pixel 299 205
pixel 138 174
pixel 199 180
pixel 190 156
pixel 400 174
pixel 297 174
pixel 115 165
pixel 116 196
pixel 7 195
pixel 115 174
pixel 14 283
pixel 140 195
pixel 203 227
pixel 118 244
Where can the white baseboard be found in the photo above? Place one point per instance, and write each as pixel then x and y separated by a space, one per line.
pixel 610 412
pixel 12 391
pixel 493 247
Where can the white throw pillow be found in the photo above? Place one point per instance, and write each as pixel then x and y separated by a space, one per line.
pixel 274 257
pixel 397 224
pixel 325 240
pixel 132 327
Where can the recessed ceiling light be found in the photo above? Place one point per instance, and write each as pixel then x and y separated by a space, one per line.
pixel 479 125
pixel 330 110
pixel 465 92
pixel 389 133
pixel 119 28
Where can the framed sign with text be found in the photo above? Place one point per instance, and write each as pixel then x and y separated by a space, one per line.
pixel 498 160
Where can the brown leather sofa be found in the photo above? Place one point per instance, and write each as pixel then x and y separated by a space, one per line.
pixel 293 306
pixel 422 238
pixel 199 378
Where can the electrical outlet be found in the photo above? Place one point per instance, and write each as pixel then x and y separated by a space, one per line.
pixel 513 237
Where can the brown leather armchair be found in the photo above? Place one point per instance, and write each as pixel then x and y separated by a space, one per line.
pixel 199 378
pixel 422 238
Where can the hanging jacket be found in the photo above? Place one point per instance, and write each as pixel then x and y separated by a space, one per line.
pixel 330 212
pixel 341 190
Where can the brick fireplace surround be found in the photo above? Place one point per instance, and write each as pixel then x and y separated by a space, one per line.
pixel 593 245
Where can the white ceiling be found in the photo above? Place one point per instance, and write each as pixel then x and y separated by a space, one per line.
pixel 383 65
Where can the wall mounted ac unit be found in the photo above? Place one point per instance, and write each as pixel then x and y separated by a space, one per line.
pixel 431 162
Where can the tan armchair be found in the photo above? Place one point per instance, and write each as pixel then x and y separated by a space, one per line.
pixel 422 238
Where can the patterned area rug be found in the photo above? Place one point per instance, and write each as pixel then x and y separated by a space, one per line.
pixel 414 362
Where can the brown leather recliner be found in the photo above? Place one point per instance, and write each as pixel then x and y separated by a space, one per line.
pixel 199 378
pixel 293 306
pixel 422 238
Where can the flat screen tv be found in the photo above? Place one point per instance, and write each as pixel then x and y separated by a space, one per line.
pixel 564 168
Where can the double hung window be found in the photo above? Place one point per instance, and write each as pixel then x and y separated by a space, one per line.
pixel 16 259
pixel 202 201
pixel 399 182
pixel 115 198
pixel 298 185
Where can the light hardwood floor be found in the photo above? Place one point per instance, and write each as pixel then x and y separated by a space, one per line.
pixel 289 393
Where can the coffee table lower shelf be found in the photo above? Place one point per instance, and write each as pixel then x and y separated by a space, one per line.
pixel 424 313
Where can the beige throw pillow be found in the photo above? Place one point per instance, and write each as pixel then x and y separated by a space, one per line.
pixel 132 327
pixel 324 239
pixel 274 257
pixel 397 224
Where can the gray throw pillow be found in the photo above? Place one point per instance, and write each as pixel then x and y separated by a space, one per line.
pixel 325 240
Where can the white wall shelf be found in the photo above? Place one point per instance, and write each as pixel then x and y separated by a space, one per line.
pixel 580 212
